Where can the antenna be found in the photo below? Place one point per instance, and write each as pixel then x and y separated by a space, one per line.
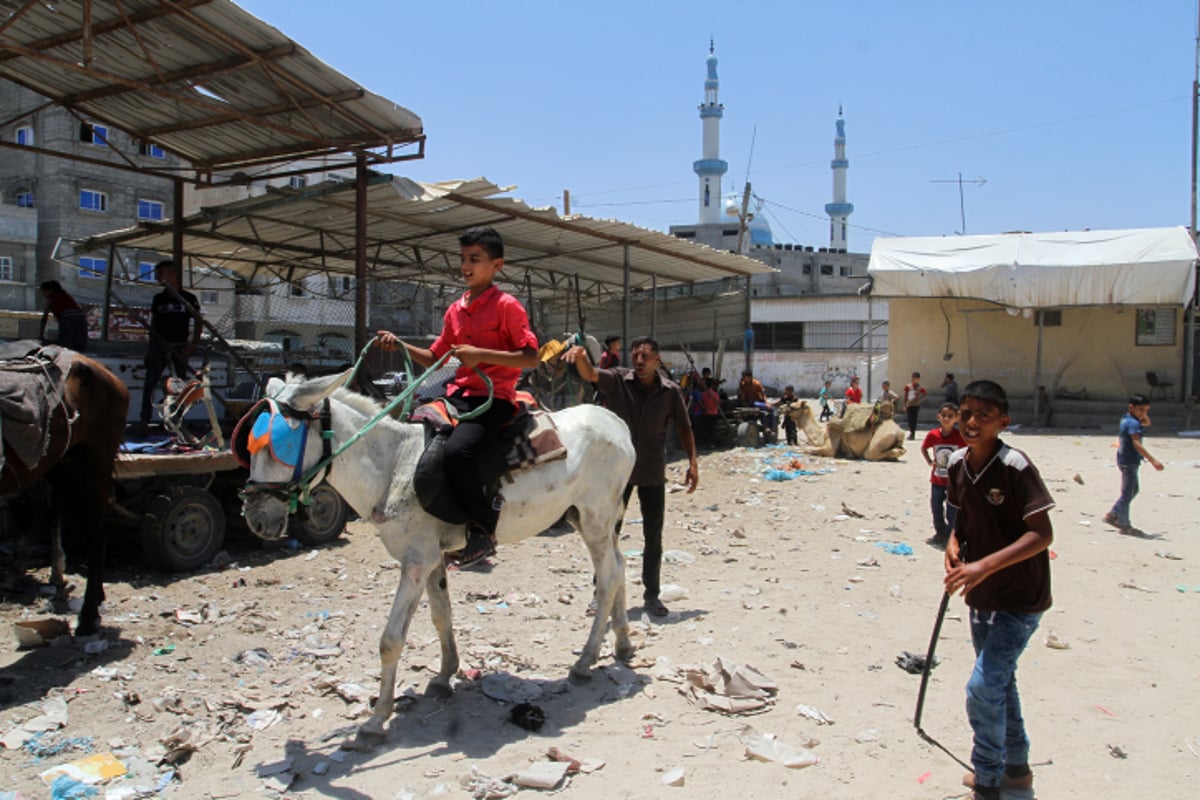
pixel 750 159
pixel 962 208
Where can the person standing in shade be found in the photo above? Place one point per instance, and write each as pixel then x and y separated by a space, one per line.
pixel 823 397
pixel 914 393
pixel 72 322
pixel 950 387
pixel 173 312
pixel 611 357
pixel 647 402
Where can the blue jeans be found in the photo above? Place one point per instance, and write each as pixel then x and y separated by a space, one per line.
pixel 993 706
pixel 1129 490
pixel 944 514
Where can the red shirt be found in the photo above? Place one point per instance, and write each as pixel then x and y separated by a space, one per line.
pixel 61 302
pixel 854 394
pixel 494 320
pixel 942 445
pixel 710 402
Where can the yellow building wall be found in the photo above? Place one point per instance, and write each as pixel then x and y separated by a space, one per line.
pixel 1095 348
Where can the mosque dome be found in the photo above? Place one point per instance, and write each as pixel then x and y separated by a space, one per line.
pixel 760 231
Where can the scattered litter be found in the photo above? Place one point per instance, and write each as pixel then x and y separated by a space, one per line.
pixel 848 511
pixel 509 688
pixel 1078 479
pixel 678 557
pixel 1132 585
pixel 766 747
pixel 584 765
pixel 868 562
pixel 671 592
pixel 813 714
pixel 529 717
pixel 896 548
pixel 1167 554
pixel 1116 751
pixel 541 775
pixel 65 788
pixel 1104 710
pixel 165 650
pixel 924 776
pixel 53 717
pixel 94 769
pixel 1055 643
pixel 483 786
pixel 39 632
pixel 869 735
pixel 674 777
pixel 729 688
pixel 914 664
pixel 257 655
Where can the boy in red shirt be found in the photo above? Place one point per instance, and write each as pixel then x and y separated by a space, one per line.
pixel 936 449
pixel 487 328
pixel 854 391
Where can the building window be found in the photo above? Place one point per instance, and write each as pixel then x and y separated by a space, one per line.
pixel 93 134
pixel 146 271
pixel 150 210
pixel 341 286
pixel 1155 326
pixel 24 135
pixel 90 200
pixel 92 267
pixel 807 269
pixel 827 269
pixel 25 199
pixel 845 272
pixel 297 182
pixel 296 288
pixel 209 297
pixel 151 150
pixel 6 268
pixel 288 340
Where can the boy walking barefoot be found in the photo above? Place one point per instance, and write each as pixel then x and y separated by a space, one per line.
pixel 939 443
pixel 1130 453
pixel 997 557
pixel 487 328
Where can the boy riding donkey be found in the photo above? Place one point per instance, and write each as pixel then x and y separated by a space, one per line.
pixel 489 329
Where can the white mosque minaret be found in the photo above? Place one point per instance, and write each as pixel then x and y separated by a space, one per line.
pixel 710 167
pixel 839 210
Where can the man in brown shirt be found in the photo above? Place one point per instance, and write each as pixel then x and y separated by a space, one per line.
pixel 647 401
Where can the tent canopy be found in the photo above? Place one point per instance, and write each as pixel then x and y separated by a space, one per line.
pixel 1143 266
pixel 412 235
pixel 201 79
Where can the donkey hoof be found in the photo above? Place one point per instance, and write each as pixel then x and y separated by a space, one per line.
pixel 364 741
pixel 439 690
pixel 579 675
pixel 624 652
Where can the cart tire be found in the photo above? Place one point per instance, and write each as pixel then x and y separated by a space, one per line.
pixel 323 520
pixel 183 528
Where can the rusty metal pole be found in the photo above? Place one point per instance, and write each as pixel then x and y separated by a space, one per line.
pixel 360 251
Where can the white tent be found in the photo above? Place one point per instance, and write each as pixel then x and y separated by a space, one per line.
pixel 1144 266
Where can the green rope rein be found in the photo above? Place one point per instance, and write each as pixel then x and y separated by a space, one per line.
pixel 303 487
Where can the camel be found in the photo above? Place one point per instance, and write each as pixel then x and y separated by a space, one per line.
pixel 850 435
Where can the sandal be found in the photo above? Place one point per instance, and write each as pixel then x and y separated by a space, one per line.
pixel 479 546
pixel 1111 519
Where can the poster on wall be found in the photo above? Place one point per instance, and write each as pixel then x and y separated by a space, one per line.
pixel 1155 326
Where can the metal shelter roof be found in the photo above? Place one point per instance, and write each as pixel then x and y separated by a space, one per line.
pixel 412 235
pixel 202 79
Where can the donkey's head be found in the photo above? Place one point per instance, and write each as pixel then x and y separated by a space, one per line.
pixel 280 441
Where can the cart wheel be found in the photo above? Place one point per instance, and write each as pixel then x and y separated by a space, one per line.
pixel 323 521
pixel 183 528
pixel 747 434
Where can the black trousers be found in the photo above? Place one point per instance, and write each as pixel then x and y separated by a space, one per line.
pixel 156 362
pixel 653 503
pixel 912 412
pixel 462 457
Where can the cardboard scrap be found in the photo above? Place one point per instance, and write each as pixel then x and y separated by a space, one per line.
pixel 729 688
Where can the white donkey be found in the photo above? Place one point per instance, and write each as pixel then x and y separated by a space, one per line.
pixel 376 473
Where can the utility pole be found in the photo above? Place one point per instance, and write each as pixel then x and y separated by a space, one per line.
pixel 962 206
pixel 743 224
pixel 1189 328
pixel 566 202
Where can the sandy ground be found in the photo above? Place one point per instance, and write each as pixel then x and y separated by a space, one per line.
pixel 779 576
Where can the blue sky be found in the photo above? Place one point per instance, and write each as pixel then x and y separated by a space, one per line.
pixel 1077 114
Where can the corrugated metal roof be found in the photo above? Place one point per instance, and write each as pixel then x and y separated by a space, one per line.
pixel 412 235
pixel 203 79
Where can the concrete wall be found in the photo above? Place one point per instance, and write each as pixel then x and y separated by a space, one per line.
pixel 1095 348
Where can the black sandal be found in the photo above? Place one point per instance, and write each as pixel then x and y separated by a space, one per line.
pixel 479 546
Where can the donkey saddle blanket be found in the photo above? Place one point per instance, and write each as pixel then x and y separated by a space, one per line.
pixel 32 381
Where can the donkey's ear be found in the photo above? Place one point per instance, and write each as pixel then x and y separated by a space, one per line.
pixel 308 395
pixel 274 387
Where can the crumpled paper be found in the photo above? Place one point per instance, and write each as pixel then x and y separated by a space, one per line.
pixel 729 688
